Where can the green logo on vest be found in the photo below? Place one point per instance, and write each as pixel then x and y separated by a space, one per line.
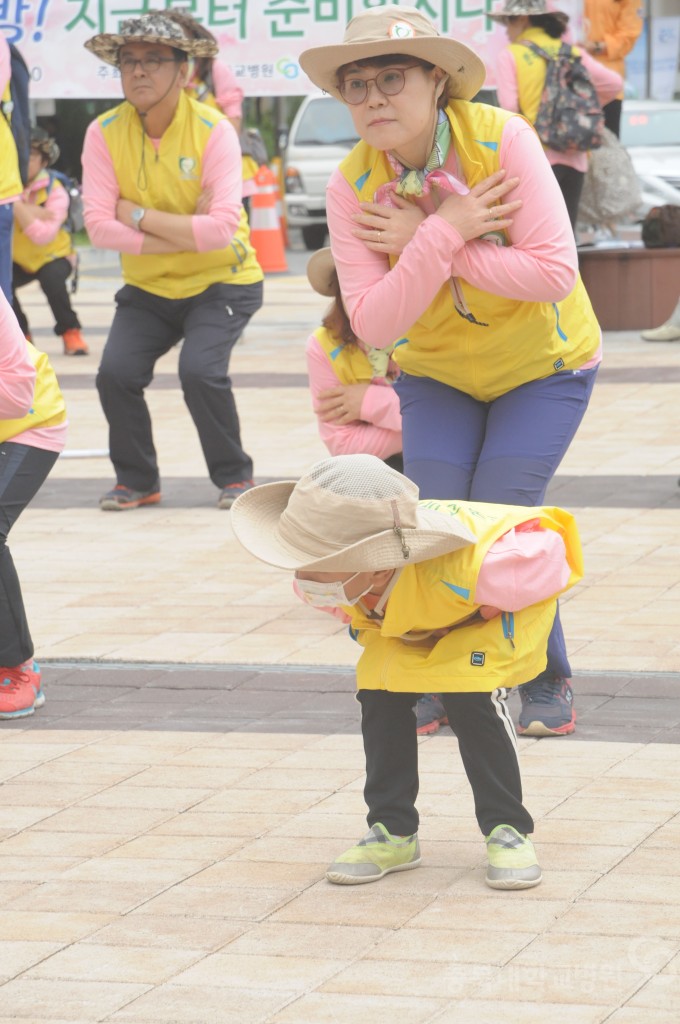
pixel 187 167
pixel 477 658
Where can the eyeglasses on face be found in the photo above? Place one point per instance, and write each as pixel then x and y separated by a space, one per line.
pixel 149 65
pixel 389 82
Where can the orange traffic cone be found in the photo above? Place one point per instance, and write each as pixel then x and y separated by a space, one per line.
pixel 265 229
pixel 277 170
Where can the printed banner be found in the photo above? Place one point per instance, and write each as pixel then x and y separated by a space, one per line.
pixel 260 39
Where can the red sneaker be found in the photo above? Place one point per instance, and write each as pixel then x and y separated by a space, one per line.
pixel 20 691
pixel 74 343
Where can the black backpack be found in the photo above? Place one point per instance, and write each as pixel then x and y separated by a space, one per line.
pixel 16 110
pixel 75 220
pixel 569 116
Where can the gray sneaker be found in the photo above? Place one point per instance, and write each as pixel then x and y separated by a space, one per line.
pixel 121 498
pixel 231 492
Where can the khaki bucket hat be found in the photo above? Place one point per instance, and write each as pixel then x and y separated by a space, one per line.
pixel 321 272
pixel 349 513
pixel 391 29
pixel 149 28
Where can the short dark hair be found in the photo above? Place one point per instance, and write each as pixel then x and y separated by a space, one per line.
pixel 555 26
pixel 336 320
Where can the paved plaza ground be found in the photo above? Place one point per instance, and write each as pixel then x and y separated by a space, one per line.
pixel 167 817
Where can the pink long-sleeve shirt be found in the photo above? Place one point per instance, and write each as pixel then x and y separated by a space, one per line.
pixel 540 265
pixel 42 232
pixel 17 373
pixel 607 86
pixel 379 430
pixel 220 172
pixel 17 383
pixel 228 93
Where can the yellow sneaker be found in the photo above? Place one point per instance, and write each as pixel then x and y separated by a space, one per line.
pixel 375 855
pixel 512 860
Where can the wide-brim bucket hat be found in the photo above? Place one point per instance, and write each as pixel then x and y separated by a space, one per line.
pixel 148 28
pixel 379 31
pixel 349 513
pixel 321 272
pixel 528 8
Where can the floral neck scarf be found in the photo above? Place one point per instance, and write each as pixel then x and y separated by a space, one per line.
pixel 413 183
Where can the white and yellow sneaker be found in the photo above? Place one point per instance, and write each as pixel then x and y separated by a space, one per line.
pixel 375 855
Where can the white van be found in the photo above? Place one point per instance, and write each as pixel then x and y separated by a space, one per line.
pixel 320 137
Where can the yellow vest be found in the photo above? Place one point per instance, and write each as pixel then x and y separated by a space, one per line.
pixel 48 408
pixel 531 68
pixel 31 256
pixel 350 364
pixel 478 655
pixel 170 180
pixel 200 91
pixel 10 179
pixel 522 341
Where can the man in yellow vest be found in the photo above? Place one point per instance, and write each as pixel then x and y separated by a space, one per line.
pixel 162 185
pixel 42 249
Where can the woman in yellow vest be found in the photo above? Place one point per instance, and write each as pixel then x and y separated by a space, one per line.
pixel 32 433
pixel 446 595
pixel 450 233
pixel 356 406
pixel 42 249
pixel 521 74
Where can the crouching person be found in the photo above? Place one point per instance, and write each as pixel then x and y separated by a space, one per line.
pixel 456 598
pixel 43 246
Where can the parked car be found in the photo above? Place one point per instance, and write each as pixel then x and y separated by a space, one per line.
pixel 320 137
pixel 650 131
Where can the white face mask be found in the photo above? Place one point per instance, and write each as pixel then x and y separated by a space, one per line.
pixel 329 595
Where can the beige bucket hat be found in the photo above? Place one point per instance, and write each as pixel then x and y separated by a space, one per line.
pixel 321 272
pixel 349 513
pixel 391 29
pixel 148 28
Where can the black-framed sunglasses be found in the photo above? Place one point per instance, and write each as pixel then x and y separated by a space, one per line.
pixel 149 65
pixel 390 82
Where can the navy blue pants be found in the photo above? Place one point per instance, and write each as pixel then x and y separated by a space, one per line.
pixel 504 451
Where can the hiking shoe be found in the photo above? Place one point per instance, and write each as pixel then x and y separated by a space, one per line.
pixel 233 491
pixel 430 714
pixel 375 855
pixel 667 332
pixel 74 343
pixel 512 860
pixel 547 707
pixel 20 691
pixel 121 498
